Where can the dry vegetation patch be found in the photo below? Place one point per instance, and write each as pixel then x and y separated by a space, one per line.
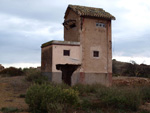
pixel 130 81
pixel 11 88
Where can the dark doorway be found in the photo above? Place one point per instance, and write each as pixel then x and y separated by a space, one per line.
pixel 67 71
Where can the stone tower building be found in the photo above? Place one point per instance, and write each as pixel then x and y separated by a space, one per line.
pixel 85 55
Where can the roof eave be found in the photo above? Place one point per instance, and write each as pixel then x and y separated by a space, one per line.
pixel 111 18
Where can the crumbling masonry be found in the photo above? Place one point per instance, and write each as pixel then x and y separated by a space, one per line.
pixel 85 55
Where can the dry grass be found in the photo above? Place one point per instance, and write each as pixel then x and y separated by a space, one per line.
pixel 130 81
pixel 11 88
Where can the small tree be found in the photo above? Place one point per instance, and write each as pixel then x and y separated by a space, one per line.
pixel 131 69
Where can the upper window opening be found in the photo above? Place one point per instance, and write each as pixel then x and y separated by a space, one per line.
pixel 68 24
pixel 66 52
pixel 97 24
pixel 72 25
pixel 100 24
pixel 95 53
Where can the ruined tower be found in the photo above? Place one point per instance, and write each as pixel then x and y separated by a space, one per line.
pixel 85 55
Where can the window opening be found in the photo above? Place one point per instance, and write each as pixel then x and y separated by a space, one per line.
pixel 100 24
pixel 69 24
pixel 72 25
pixel 66 52
pixel 97 24
pixel 95 53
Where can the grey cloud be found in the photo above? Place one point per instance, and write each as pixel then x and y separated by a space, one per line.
pixel 39 10
pixel 26 24
pixel 138 46
pixel 17 46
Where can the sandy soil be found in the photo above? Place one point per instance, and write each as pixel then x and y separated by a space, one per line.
pixel 10 90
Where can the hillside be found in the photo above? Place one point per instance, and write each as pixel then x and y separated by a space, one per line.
pixel 130 69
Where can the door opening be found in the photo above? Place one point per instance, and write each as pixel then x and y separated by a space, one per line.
pixel 67 71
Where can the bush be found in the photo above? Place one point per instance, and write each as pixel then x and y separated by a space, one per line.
pixel 46 98
pixel 120 98
pixel 145 92
pixel 98 96
pixel 53 98
pixel 33 75
pixel 86 89
pixel 144 111
pixel 22 95
pixel 9 109
pixel 86 104
pixel 12 71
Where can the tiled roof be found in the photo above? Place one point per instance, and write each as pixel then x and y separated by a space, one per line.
pixel 91 12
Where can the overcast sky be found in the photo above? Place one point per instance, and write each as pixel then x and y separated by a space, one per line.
pixel 26 24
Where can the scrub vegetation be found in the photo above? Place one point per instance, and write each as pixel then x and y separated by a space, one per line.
pixel 31 92
pixel 131 69
pixel 11 71
pixel 49 98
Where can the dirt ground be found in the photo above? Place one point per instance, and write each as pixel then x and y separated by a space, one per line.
pixel 12 87
pixel 132 81
pixel 10 90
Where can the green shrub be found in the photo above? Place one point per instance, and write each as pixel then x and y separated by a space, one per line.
pixel 33 75
pixel 86 89
pixel 86 104
pixel 46 98
pixel 120 98
pixel 53 98
pixel 22 95
pixel 62 85
pixel 70 96
pixel 12 71
pixel 55 107
pixel 145 92
pixel 10 109
pixel 144 111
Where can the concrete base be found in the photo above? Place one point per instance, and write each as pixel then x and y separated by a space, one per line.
pixel 53 76
pixel 91 78
pixel 48 75
pixel 81 78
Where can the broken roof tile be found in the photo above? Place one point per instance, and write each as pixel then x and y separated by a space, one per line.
pixel 91 12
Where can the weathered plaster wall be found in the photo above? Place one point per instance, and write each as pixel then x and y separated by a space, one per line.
pixel 59 58
pixel 91 38
pixel 90 78
pixel 109 52
pixel 73 33
pixel 46 61
pixel 53 55
pixel 94 38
